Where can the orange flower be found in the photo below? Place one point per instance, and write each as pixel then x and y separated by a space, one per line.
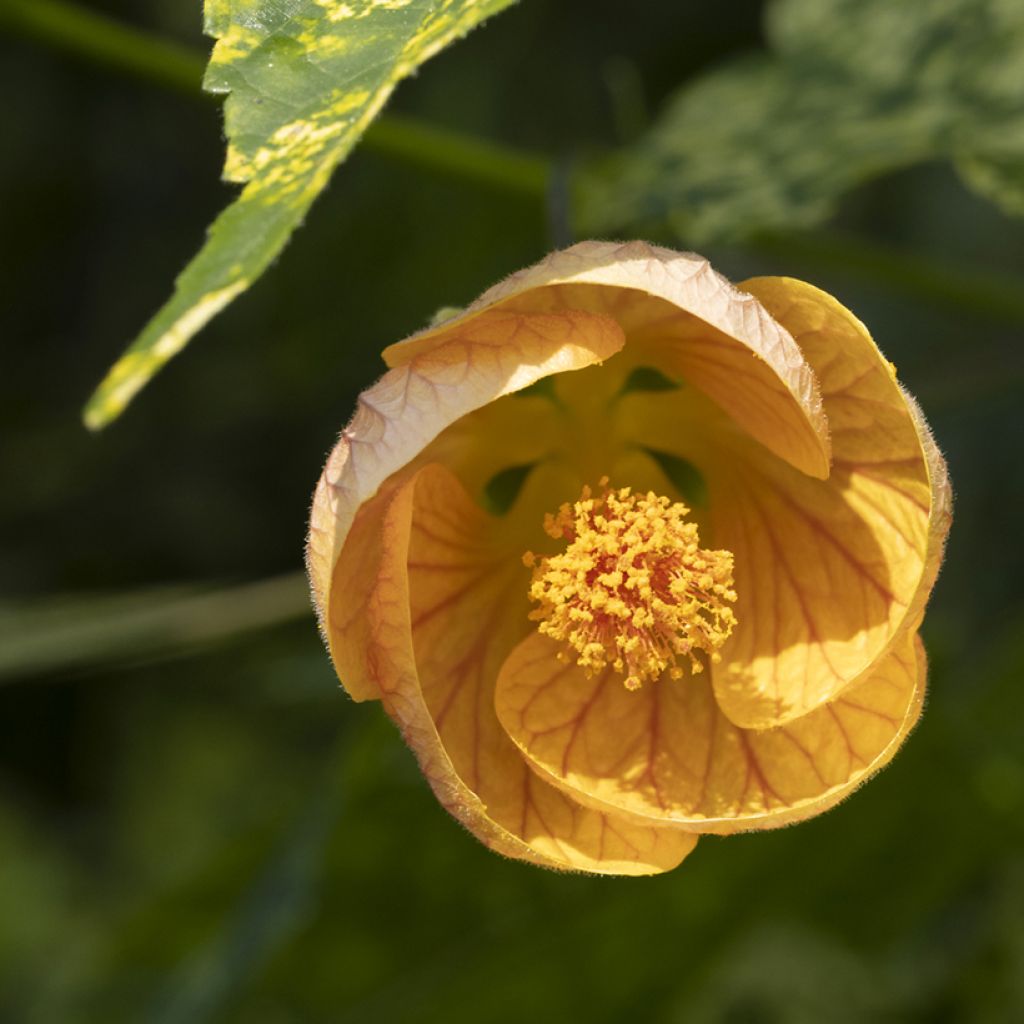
pixel 630 554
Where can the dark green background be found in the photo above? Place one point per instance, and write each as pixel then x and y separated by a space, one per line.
pixel 211 831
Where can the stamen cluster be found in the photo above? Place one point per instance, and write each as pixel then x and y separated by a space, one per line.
pixel 633 589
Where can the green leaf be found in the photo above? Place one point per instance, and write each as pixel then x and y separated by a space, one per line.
pixel 854 89
pixel 306 78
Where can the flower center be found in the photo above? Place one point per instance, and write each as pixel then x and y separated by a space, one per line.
pixel 633 589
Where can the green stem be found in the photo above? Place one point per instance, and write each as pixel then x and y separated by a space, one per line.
pixel 988 294
pixel 172 66
pixel 93 630
pixel 105 42
pixel 418 142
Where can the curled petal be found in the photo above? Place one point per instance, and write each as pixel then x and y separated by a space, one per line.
pixel 667 753
pixel 440 617
pixel 940 518
pixel 689 321
pixel 829 573
pixel 466 367
pixel 780 422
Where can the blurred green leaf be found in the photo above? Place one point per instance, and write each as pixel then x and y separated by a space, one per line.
pixel 306 78
pixel 279 901
pixel 854 89
pixel 89 630
pixel 43 901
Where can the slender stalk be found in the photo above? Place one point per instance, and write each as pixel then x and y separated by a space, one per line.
pixel 173 66
pixel 988 294
pixel 426 145
pixel 92 630
pixel 106 42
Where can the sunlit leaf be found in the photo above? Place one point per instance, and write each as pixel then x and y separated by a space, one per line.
pixel 853 89
pixel 306 78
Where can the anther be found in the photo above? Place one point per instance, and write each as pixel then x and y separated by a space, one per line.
pixel 633 589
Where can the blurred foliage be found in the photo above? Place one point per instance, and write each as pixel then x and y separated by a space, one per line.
pixel 85 630
pixel 852 89
pixel 195 825
pixel 303 81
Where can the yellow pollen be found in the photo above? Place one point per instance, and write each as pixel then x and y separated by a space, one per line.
pixel 634 589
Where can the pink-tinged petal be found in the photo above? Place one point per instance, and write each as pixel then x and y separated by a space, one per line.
pixel 469 366
pixel 446 604
pixel 828 573
pixel 684 318
pixel 941 517
pixel 667 753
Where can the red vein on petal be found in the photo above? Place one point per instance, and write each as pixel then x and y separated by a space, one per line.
pixel 830 538
pixel 783 561
pixel 452 598
pixel 859 470
pixel 883 516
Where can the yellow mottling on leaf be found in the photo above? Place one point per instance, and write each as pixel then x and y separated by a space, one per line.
pixel 202 311
pixel 333 46
pixel 302 87
pixel 349 101
pixel 302 150
pixel 134 368
pixel 237 167
pixel 336 11
pixel 238 42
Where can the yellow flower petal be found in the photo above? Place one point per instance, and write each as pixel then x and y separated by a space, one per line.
pixel 513 431
pixel 828 572
pixel 666 752
pixel 422 595
pixel 467 366
pixel 684 318
pixel 439 619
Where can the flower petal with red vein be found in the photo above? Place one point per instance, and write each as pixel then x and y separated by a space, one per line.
pixel 686 319
pixel 667 753
pixel 495 354
pixel 443 611
pixel 828 572
pixel 941 517
pixel 422 595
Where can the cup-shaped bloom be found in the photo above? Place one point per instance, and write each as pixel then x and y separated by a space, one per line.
pixel 630 554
